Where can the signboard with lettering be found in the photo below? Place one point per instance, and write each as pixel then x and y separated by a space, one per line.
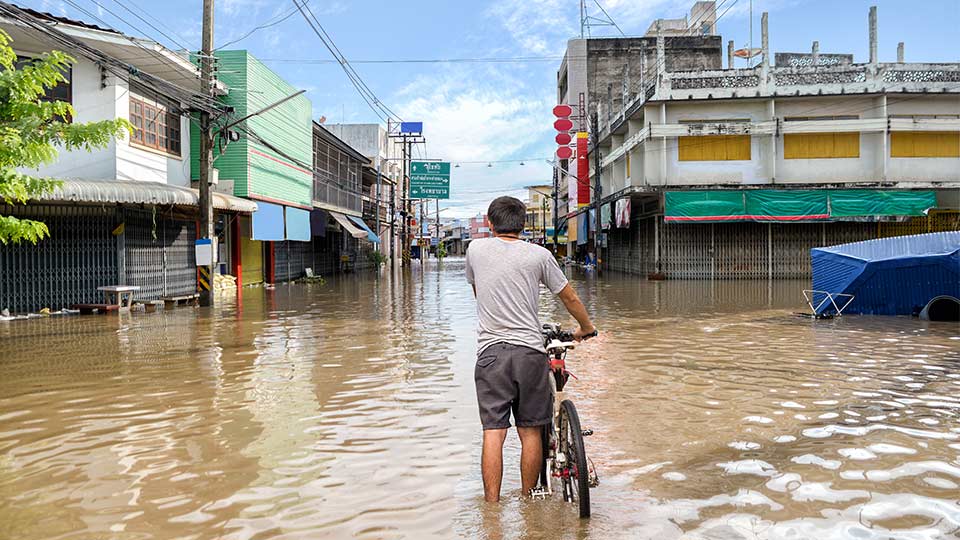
pixel 429 180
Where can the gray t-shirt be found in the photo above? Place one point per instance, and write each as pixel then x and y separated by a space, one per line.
pixel 507 275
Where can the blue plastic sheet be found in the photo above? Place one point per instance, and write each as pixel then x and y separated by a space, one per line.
pixel 298 224
pixel 268 222
pixel 888 276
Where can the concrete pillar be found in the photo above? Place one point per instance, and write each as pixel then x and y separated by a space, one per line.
pixel 764 40
pixel 900 52
pixel 815 53
pixel 661 53
pixel 873 34
pixel 730 54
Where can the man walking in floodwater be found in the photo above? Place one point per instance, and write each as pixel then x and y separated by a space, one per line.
pixel 513 371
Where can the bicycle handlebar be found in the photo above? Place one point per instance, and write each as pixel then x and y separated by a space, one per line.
pixel 553 332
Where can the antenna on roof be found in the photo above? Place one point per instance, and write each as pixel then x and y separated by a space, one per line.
pixel 588 21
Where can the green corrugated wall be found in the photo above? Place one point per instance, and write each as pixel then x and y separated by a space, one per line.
pixel 255 169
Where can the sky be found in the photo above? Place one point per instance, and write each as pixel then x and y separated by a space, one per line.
pixel 486 112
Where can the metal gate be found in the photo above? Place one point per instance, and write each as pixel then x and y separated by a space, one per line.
pixel 66 268
pixel 159 256
pixel 291 259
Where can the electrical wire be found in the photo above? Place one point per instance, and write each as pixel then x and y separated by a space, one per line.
pixel 156 54
pixel 382 112
pixel 113 65
pixel 161 32
pixel 271 22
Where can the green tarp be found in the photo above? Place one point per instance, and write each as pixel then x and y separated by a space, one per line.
pixel 794 205
pixel 698 205
pixel 853 203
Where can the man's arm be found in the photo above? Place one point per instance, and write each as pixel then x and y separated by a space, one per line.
pixel 576 308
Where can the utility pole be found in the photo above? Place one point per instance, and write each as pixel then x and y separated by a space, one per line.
pixel 543 218
pixel 556 213
pixel 598 190
pixel 206 151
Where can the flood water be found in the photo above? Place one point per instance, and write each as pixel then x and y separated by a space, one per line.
pixel 348 411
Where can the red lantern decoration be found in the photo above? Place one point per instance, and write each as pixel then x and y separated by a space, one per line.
pixel 563 139
pixel 564 152
pixel 562 111
pixel 563 124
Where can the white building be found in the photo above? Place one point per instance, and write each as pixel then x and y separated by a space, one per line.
pixel 125 214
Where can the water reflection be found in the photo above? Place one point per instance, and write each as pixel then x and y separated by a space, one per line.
pixel 347 410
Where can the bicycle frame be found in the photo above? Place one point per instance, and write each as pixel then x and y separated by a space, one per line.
pixel 560 376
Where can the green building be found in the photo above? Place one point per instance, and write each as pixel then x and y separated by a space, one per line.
pixel 257 171
pixel 271 164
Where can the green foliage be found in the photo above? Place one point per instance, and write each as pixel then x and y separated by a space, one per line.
pixel 378 258
pixel 33 130
pixel 441 250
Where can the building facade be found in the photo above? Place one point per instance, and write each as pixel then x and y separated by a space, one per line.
pixel 737 173
pixel 125 214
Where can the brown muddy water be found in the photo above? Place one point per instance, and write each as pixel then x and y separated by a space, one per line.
pixel 347 411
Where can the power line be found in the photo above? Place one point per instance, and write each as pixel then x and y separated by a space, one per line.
pixel 155 54
pixel 382 111
pixel 517 59
pixel 161 32
pixel 118 67
pixel 271 22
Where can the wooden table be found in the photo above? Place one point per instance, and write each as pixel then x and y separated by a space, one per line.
pixel 119 295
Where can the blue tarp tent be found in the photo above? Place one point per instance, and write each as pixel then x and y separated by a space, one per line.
pixel 888 276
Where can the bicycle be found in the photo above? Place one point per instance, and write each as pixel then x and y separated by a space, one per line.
pixel 564 455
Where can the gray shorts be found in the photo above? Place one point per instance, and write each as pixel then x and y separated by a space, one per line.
pixel 513 377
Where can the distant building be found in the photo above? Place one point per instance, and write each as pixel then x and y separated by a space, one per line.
pixel 480 227
pixel 539 223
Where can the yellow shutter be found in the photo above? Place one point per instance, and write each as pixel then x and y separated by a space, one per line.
pixel 821 145
pixel 714 148
pixel 925 144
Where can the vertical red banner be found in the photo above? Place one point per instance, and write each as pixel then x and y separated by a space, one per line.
pixel 583 170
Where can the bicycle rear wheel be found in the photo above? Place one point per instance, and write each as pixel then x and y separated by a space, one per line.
pixel 576 483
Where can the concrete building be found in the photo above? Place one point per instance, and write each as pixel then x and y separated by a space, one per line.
pixel 384 154
pixel 599 75
pixel 125 214
pixel 737 173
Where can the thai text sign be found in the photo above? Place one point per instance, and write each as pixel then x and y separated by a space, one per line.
pixel 429 180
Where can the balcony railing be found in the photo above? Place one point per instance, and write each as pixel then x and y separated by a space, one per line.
pixel 335 196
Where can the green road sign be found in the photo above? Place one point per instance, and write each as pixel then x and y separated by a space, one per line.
pixel 429 180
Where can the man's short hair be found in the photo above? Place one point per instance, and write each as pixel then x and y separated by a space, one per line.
pixel 507 215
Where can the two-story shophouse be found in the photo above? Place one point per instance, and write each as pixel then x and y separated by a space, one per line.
pixel 126 214
pixel 737 173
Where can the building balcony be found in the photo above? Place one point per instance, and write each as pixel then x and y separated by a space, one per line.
pixel 332 197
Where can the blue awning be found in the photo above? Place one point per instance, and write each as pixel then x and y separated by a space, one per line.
pixel 268 222
pixel 372 236
pixel 298 224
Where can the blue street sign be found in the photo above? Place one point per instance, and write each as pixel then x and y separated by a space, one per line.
pixel 411 128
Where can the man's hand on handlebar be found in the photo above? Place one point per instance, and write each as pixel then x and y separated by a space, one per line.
pixel 582 334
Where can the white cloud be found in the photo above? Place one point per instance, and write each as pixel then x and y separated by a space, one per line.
pixel 482 116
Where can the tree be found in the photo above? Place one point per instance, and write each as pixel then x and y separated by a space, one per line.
pixel 32 130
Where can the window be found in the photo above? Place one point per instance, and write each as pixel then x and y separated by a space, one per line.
pixel 820 145
pixel 714 147
pixel 155 126
pixel 925 144
pixel 61 92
